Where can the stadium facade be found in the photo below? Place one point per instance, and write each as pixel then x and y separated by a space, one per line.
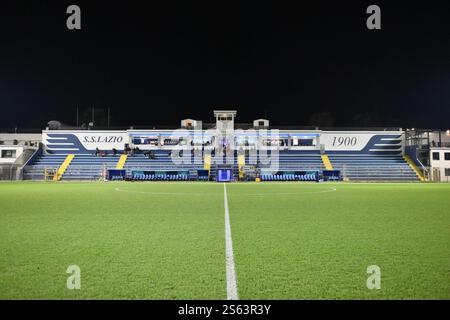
pixel 190 152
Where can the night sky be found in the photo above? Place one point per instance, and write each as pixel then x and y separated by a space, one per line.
pixel 298 65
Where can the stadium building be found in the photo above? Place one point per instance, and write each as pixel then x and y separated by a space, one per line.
pixel 227 151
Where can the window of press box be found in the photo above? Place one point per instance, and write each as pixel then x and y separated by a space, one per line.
pixel 8 153
pixel 302 142
pixel 435 155
pixel 146 140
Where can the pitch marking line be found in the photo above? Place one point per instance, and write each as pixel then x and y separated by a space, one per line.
pixel 162 193
pixel 232 293
pixel 240 194
pixel 287 193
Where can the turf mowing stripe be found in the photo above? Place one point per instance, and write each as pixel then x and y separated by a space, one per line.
pixel 232 293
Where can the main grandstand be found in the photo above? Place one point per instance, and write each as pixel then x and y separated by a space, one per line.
pixel 259 152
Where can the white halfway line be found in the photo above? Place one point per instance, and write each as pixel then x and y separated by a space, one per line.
pixel 232 293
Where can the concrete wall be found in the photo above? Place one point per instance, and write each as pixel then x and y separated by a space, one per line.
pixel 22 138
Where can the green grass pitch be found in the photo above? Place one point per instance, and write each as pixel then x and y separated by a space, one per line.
pixel 167 241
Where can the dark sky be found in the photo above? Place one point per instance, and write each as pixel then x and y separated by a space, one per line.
pixel 295 65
